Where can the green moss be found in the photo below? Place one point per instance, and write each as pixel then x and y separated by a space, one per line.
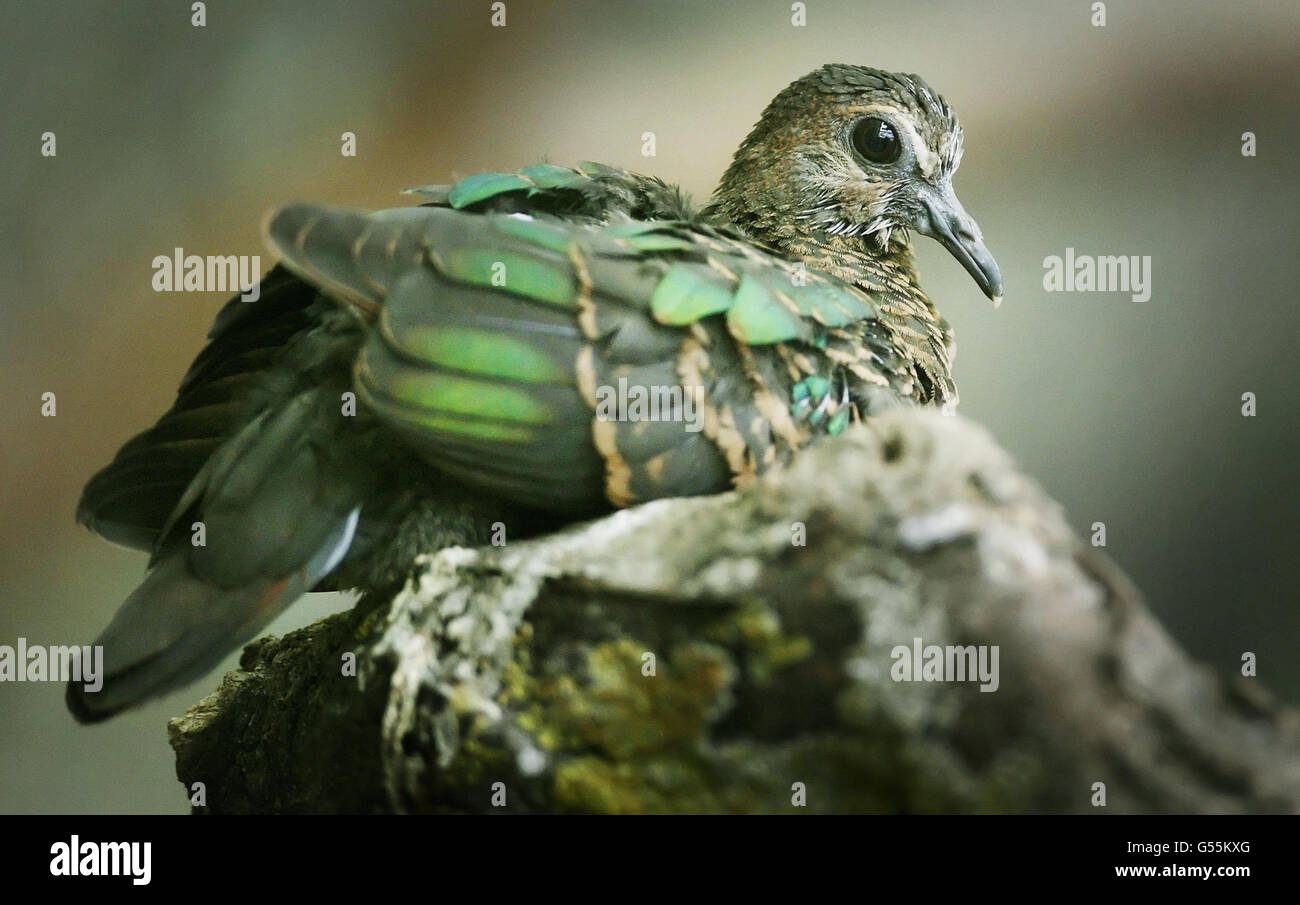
pixel 756 628
pixel 623 742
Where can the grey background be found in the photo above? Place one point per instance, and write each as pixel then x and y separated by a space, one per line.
pixel 1115 140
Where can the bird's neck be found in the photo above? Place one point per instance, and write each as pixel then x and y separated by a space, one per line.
pixel 853 259
pixel 780 225
pixel 761 202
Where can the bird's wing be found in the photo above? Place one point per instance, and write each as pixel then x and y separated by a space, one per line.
pixel 130 500
pixel 247 493
pixel 594 192
pixel 591 191
pixel 496 337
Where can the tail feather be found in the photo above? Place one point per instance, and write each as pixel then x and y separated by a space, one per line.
pixel 176 627
pixel 171 630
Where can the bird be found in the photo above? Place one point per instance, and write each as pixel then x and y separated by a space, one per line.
pixel 440 373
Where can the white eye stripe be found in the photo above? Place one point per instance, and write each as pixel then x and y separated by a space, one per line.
pixel 926 159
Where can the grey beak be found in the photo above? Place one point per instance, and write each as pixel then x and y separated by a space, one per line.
pixel 947 221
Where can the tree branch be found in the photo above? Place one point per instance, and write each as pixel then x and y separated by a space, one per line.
pixel 772 664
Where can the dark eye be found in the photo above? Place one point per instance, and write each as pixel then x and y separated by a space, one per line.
pixel 876 140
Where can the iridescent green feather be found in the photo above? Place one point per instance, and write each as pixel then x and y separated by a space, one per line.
pixel 652 242
pixel 550 176
pixel 831 305
pixel 689 292
pixel 759 317
pixel 516 272
pixel 538 232
pixel 475 350
pixel 539 177
pixel 476 188
pixel 450 394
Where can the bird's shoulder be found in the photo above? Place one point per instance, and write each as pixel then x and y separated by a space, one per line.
pixel 593 192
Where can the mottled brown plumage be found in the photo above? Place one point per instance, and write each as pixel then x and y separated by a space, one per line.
pixel 796 185
pixel 427 376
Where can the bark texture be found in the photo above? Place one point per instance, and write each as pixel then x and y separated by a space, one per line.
pixel 693 656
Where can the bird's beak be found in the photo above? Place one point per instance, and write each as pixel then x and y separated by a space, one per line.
pixel 947 221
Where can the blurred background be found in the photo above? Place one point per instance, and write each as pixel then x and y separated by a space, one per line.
pixel 1117 140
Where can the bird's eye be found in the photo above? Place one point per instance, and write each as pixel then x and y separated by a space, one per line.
pixel 876 140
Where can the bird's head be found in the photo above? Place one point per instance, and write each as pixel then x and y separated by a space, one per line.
pixel 848 151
